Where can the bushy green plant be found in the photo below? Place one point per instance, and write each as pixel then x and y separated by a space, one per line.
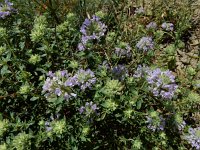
pixel 87 74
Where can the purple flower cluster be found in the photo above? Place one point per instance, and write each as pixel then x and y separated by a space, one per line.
pixel 123 52
pixel 83 78
pixel 61 83
pixel 181 126
pixel 162 83
pixel 156 124
pixel 91 29
pixel 151 25
pixel 88 109
pixel 194 137
pixel 6 9
pixel 120 72
pixel 54 85
pixel 141 71
pixel 145 44
pixel 168 26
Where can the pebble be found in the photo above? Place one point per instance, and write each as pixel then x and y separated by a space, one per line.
pixel 185 59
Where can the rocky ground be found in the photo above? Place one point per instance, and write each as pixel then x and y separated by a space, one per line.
pixel 190 56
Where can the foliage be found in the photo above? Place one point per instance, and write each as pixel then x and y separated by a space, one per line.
pixel 84 74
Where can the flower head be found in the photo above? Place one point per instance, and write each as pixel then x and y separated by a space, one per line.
pixel 141 71
pixel 119 72
pixel 123 50
pixel 88 109
pixel 168 26
pixel 61 83
pixel 6 9
pixel 151 25
pixel 155 123
pixel 85 78
pixel 55 85
pixel 161 83
pixel 193 137
pixel 91 29
pixel 145 44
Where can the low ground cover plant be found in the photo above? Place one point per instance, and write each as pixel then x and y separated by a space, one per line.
pixel 91 74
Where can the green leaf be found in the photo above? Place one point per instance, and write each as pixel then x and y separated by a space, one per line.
pixel 5 70
pixel 139 104
pixel 34 98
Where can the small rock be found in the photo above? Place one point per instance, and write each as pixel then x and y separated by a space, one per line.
pixel 179 63
pixel 185 59
pixel 195 42
pixel 194 62
pixel 180 53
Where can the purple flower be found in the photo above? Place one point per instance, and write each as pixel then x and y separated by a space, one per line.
pixel 47 126
pixel 61 83
pixel 168 26
pixel 55 85
pixel 81 47
pixel 81 109
pixel 123 51
pixel 85 78
pixel 145 44
pixel 47 85
pixel 141 71
pixel 91 29
pixel 193 137
pixel 58 92
pixel 51 74
pixel 151 25
pixel 161 83
pixel 156 124
pixel 94 107
pixel 6 9
pixel 119 72
pixel 88 109
pixel 71 81
pixel 64 73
